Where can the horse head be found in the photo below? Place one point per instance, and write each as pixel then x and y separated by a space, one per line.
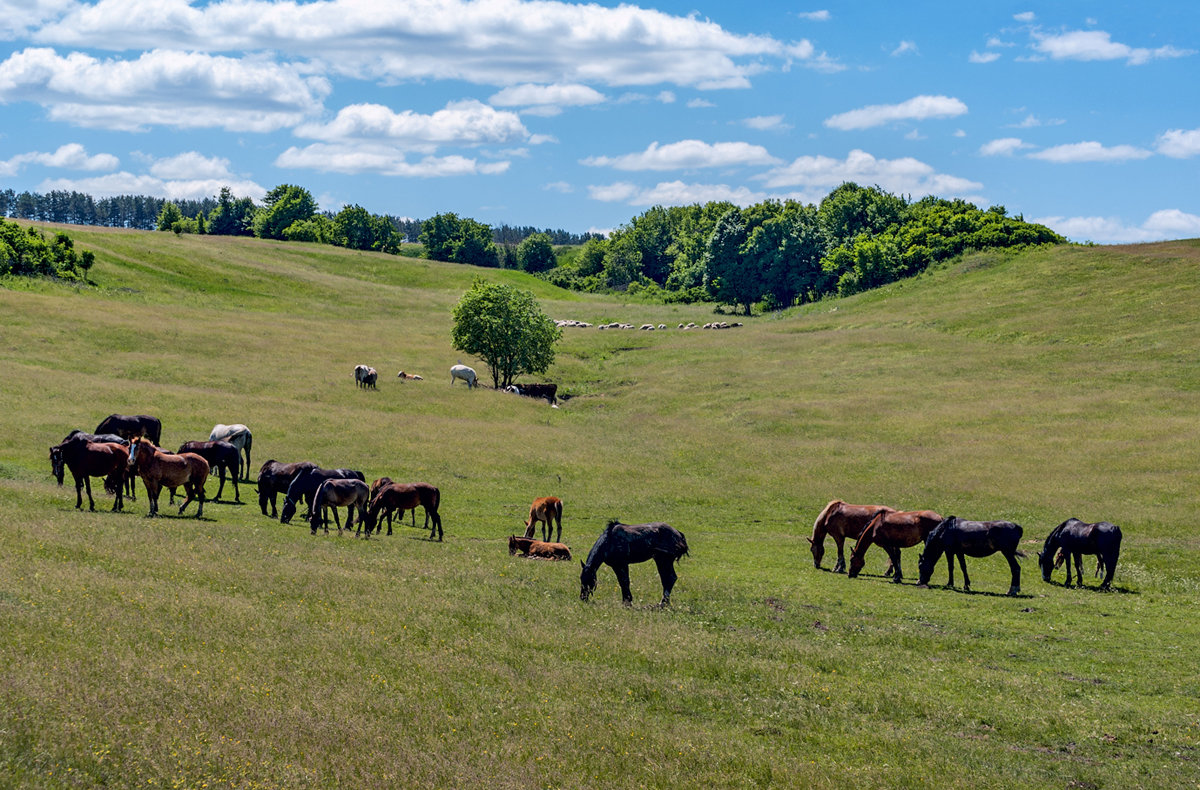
pixel 587 581
pixel 56 463
pixel 818 551
pixel 289 510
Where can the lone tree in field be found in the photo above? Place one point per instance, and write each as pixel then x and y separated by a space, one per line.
pixel 506 329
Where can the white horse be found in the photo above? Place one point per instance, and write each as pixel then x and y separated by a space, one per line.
pixel 463 372
pixel 239 436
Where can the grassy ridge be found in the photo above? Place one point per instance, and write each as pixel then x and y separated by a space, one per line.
pixel 239 652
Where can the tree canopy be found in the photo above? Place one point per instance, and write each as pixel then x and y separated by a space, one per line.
pixel 506 328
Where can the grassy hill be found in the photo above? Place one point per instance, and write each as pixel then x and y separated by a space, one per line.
pixel 237 652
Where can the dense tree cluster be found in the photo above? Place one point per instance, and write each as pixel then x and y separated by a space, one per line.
pixel 505 328
pixel 27 252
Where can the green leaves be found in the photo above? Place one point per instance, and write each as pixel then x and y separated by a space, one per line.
pixel 506 328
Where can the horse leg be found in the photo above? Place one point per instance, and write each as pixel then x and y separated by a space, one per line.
pixel 237 495
pixel 87 482
pixel 558 521
pixel 221 478
pixel 437 524
pixel 546 527
pixel 189 491
pixel 1011 556
pixel 666 572
pixel 962 563
pixel 118 500
pixel 622 572
pixel 894 553
pixel 840 566
pixel 152 492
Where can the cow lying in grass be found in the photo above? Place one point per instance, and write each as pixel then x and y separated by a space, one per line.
pixel 538 549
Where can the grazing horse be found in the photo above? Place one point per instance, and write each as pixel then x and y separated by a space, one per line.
pixel 839 521
pixel 158 469
pixel 87 460
pixel 376 487
pixel 545 510
pixel 239 436
pixel 339 492
pixel 104 438
pixel 1077 538
pixel 305 485
pixel 274 478
pixel 221 456
pixel 893 531
pixel 960 538
pixel 127 426
pixel 538 548
pixel 406 496
pixel 623 544
pixel 465 373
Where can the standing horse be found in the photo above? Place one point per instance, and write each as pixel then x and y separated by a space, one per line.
pixel 158 469
pixel 893 531
pixel 365 376
pixel 465 373
pixel 340 492
pixel 104 438
pixel 239 436
pixel 545 510
pixel 960 538
pixel 304 486
pixel 1077 538
pixel 406 496
pixel 221 456
pixel 620 545
pixel 87 460
pixel 840 520
pixel 127 426
pixel 274 478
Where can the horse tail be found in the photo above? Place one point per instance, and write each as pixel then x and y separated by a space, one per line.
pixel 558 510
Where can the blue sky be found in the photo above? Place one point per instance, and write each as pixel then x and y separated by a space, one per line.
pixel 1084 116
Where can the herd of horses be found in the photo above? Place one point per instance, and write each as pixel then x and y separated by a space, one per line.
pixel 126 447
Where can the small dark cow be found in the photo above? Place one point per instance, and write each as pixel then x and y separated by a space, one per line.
pixel 538 548
pixel 274 478
pixel 547 391
pixel 222 457
pixel 1076 538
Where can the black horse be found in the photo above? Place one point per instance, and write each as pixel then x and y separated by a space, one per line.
pixel 305 486
pixel 274 478
pixel 960 538
pixel 622 544
pixel 222 457
pixel 1077 538
pixel 56 460
pixel 131 426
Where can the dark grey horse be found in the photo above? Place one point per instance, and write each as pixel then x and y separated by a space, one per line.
pixel 130 426
pixel 957 537
pixel 305 485
pixel 222 457
pixel 621 545
pixel 1077 538
pixel 274 478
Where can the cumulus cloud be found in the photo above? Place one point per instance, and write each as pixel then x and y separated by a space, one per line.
pixel 696 104
pixel 499 42
pixel 162 88
pixel 905 48
pixel 1179 143
pixel 765 123
pixel 903 176
pixel 686 154
pixel 815 16
pixel 467 122
pixel 1005 146
pixel 1031 121
pixel 1025 16
pixel 1090 151
pixel 982 57
pixel 71 156
pixel 190 165
pixel 546 100
pixel 382 159
pixel 918 108
pixel 1098 45
pixel 1159 226
pixel 125 183
pixel 674 193
pixel 18 17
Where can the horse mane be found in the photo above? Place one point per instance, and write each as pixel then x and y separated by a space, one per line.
pixel 823 518
pixel 612 522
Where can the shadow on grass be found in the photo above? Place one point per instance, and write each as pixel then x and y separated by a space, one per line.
pixel 987 593
pixel 1116 589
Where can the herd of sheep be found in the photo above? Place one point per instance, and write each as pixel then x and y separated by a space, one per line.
pixel 646 327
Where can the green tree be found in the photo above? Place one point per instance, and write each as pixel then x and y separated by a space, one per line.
pixel 283 205
pixel 317 229
pixel 850 210
pixel 732 277
pixel 352 228
pixel 506 328
pixel 622 261
pixel 168 217
pixel 476 246
pixel 440 236
pixel 536 254
pixel 231 216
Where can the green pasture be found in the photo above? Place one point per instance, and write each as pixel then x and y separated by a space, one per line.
pixel 237 652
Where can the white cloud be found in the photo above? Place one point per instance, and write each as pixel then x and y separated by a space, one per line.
pixel 983 57
pixel 190 165
pixel 686 154
pixel 1159 226
pixel 699 103
pixel 1025 16
pixel 382 159
pixel 1098 45
pixel 1179 143
pixel 71 156
pixel 561 187
pixel 1090 151
pixel 613 193
pixel 125 183
pixel 666 97
pixel 1032 121
pixel 815 16
pixel 1005 146
pixel 903 176
pixel 467 122
pixel 547 100
pixel 918 108
pixel 674 193
pixel 18 17
pixel 162 88
pixel 498 42
pixel 765 123
pixel 905 48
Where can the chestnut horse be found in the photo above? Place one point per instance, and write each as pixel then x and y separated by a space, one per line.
pixel 544 510
pixel 957 537
pixel 893 531
pixel 158 469
pixel 839 521
pixel 406 496
pixel 349 493
pixel 539 549
pixel 91 459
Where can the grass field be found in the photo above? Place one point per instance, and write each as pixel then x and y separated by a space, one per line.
pixel 234 651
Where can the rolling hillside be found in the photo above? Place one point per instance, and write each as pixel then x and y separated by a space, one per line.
pixel 238 652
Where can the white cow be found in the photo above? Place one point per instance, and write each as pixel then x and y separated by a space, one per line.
pixel 463 372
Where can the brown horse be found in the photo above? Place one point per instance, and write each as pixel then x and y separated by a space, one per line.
pixel 91 459
pixel 378 486
pixel 406 496
pixel 893 531
pixel 545 510
pixel 158 469
pixel 839 521
pixel 347 492
pixel 538 548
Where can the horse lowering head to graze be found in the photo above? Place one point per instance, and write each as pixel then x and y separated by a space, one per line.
pixel 239 436
pixel 406 496
pixel 274 478
pixel 839 521
pixel 158 469
pixel 538 549
pixel 465 373
pixel 222 457
pixel 1076 538
pixel 349 493
pixel 127 426
pixel 956 537
pixel 376 487
pixel 91 459
pixel 305 485
pixel 893 531
pixel 545 509
pixel 621 545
